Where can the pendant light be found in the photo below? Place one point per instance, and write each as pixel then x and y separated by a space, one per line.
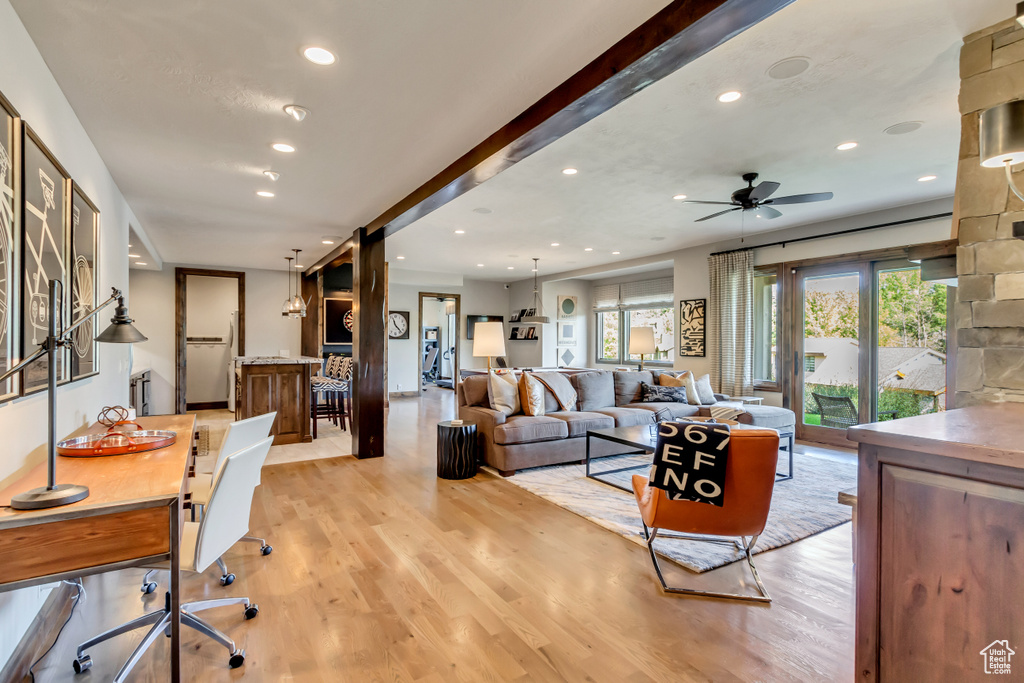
pixel 538 309
pixel 286 309
pixel 298 304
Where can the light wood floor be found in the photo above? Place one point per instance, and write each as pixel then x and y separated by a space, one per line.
pixel 381 571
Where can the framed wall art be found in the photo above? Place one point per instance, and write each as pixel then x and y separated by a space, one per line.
pixel 82 273
pixel 10 235
pixel 566 334
pixel 44 249
pixel 567 307
pixel 338 321
pixel 691 327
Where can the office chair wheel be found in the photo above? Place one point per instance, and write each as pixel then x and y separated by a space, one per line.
pixel 267 549
pixel 83 663
pixel 227 579
pixel 251 611
pixel 237 659
pixel 148 587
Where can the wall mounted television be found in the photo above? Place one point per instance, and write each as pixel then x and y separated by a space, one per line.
pixel 472 320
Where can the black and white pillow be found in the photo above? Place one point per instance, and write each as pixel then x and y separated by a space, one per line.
pixel 653 393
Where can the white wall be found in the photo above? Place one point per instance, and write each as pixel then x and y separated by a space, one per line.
pixel 267 332
pixel 30 87
pixel 209 303
pixel 584 350
pixel 477 298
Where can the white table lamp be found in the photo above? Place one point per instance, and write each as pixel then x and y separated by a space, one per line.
pixel 641 341
pixel 489 340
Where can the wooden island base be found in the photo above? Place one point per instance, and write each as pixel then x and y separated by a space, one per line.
pixel 270 383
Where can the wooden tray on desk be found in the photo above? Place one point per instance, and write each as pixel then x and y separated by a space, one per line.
pixel 116 443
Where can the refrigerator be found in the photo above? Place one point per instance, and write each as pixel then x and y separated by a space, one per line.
pixel 232 352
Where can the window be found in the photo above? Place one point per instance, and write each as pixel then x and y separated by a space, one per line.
pixel 646 303
pixel 766 315
pixel 808 364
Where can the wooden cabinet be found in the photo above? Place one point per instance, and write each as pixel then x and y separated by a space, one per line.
pixel 283 388
pixel 940 549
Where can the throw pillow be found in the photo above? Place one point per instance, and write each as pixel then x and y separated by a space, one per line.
pixel 561 387
pixel 503 393
pixel 704 390
pixel 652 393
pixel 685 379
pixel 531 395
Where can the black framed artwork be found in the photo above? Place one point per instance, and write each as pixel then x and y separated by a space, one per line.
pixel 82 266
pixel 44 249
pixel 10 235
pixel 338 321
pixel 691 327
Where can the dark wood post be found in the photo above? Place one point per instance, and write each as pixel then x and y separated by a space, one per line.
pixel 368 342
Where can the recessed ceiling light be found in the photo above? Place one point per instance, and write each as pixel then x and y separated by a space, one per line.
pixel 788 68
pixel 319 55
pixel 479 265
pixel 555 244
pixel 589 249
pixel 534 270
pixel 846 146
pixel 569 171
pixel 927 178
pixel 273 175
pixel 282 147
pixel 679 196
pixel 134 256
pixel 129 246
pixel 511 268
pixel 460 232
pixel 296 112
pixel 730 96
pixel 264 193
pixel 904 128
pixel 401 258
pixel 141 263
pixel 616 253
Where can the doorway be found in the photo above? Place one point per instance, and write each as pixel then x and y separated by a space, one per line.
pixel 439 336
pixel 210 332
pixel 870 345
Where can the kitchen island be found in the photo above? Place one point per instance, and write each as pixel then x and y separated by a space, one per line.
pixel 276 383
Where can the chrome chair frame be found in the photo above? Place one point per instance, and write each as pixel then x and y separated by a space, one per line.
pixel 747 547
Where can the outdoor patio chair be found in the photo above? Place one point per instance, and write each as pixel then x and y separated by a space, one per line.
pixel 840 412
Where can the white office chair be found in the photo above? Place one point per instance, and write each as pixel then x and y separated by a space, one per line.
pixel 225 522
pixel 240 434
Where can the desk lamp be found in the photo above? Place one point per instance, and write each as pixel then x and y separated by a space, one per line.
pixel 489 340
pixel 121 331
pixel 641 341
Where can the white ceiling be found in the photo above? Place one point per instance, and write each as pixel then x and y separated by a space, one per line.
pixel 874 63
pixel 184 98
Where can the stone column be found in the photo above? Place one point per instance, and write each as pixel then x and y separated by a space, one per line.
pixel 990 261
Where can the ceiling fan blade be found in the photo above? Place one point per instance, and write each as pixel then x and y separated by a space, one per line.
pixel 763 191
pixel 697 201
pixel 767 212
pixel 801 198
pixel 720 213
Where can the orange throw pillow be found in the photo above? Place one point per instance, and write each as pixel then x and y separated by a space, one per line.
pixel 531 395
pixel 685 379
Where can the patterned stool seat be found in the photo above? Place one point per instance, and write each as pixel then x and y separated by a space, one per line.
pixel 320 384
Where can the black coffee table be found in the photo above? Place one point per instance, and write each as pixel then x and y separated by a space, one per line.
pixel 640 438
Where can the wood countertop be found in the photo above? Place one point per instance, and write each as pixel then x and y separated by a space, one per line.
pixel 991 433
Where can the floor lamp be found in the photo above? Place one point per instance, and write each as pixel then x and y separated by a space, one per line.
pixel 489 340
pixel 121 331
pixel 641 341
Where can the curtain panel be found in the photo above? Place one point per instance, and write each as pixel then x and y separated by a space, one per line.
pixel 731 322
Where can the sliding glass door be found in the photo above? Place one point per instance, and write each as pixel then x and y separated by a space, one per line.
pixel 869 342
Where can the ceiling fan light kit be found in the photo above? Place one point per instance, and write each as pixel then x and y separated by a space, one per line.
pixel 757 199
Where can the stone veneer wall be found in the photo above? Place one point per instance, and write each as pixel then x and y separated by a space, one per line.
pixel 990 261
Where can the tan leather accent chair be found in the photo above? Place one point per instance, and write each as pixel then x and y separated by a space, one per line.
pixel 749 481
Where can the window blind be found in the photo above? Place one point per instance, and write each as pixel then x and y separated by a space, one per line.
pixel 606 297
pixel 647 293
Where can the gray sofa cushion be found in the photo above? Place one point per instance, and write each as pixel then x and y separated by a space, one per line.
pixel 627 385
pixel 628 417
pixel 474 390
pixel 677 410
pixel 594 389
pixel 579 422
pixel 528 429
pixel 772 417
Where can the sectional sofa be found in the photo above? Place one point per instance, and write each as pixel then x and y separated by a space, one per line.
pixel 604 399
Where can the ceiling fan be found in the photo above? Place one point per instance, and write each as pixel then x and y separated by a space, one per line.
pixel 752 198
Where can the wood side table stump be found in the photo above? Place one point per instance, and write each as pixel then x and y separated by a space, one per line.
pixel 456 450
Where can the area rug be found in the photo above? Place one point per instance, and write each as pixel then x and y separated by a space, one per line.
pixel 801 507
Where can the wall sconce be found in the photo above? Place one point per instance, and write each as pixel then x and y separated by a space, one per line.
pixel 1002 138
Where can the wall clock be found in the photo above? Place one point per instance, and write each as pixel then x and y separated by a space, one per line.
pixel 398 325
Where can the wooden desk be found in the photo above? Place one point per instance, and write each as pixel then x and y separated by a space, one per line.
pixel 132 517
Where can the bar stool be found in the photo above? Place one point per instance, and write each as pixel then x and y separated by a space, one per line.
pixel 326 386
